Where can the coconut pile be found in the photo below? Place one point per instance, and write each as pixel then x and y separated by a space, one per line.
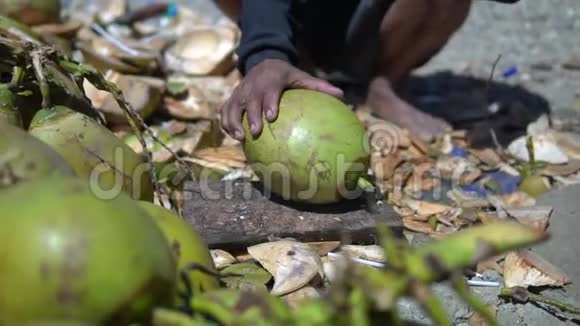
pixel 81 89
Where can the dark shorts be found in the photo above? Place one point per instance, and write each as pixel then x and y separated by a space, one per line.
pixel 339 38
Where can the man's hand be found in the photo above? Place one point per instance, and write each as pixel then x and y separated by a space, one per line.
pixel 260 92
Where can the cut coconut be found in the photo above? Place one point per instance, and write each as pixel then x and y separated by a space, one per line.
pixel 143 93
pixel 203 51
pixel 216 89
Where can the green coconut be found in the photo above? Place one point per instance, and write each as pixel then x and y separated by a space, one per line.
pixel 23 157
pixel 68 255
pixel 9 113
pixel 31 12
pixel 188 246
pixel 94 152
pixel 315 152
pixel 534 185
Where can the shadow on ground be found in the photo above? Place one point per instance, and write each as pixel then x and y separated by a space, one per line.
pixel 465 102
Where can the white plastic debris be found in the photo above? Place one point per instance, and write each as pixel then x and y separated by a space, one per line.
pixel 545 149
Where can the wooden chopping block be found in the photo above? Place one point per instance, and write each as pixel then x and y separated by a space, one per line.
pixel 234 214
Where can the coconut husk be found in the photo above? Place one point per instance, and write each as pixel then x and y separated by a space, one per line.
pixel 105 55
pixel 465 200
pixel 222 258
pixel 569 143
pixel 31 12
pixel 203 51
pixel 486 156
pixel 202 134
pixel 291 271
pixel 537 217
pixel 193 105
pixel 422 227
pixel 384 167
pixel 301 296
pixel 67 29
pixel 108 10
pixel 524 268
pixel 518 199
pixel 143 93
pixel 569 168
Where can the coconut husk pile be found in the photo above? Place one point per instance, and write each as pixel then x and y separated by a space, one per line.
pixel 176 71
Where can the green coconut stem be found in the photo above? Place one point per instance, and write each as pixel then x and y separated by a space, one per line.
pixel 38 71
pixel 431 304
pixel 472 300
pixel 365 185
pixel 523 295
pixel 393 251
pixel 531 154
pixel 17 76
pixel 459 250
pixel 222 315
pixel 101 83
pixel 433 222
pixel 133 117
pixel 358 308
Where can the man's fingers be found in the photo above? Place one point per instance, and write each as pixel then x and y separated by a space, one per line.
pixel 235 113
pixel 224 116
pixel 254 113
pixel 320 85
pixel 271 103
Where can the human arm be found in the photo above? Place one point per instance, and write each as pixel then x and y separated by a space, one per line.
pixel 267 57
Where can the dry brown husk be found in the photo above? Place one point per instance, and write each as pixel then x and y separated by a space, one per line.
pixel 203 51
pixel 105 55
pixel 143 93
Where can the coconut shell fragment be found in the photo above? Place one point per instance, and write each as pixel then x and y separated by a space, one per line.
pixel 525 268
pixel 105 55
pixel 32 12
pixel 203 51
pixel 193 105
pixel 67 29
pixel 143 93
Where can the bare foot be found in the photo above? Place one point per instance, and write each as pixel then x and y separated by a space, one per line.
pixel 387 105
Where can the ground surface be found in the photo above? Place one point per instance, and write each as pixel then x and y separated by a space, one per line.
pixel 536 37
pixel 526 34
pixel 532 33
pixel 562 250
